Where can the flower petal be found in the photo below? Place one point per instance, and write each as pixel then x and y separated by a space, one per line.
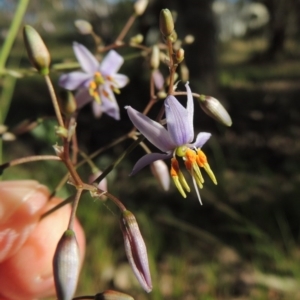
pixel 74 80
pixel 148 159
pixel 97 109
pixel 108 107
pixel 179 124
pixel 82 98
pixel 190 104
pixel 201 139
pixel 119 80
pixel 154 132
pixel 111 63
pixel 86 59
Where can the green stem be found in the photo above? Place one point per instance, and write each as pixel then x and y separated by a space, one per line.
pixel 12 33
pixel 9 83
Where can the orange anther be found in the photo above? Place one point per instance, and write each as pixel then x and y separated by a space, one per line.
pixel 93 85
pixel 174 167
pixel 201 158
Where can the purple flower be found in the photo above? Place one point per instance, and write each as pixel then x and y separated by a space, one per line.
pixel 175 141
pixel 97 81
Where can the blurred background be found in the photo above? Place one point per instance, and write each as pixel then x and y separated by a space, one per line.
pixel 243 243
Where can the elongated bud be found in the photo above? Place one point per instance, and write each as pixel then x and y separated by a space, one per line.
pixel 166 23
pixel 66 265
pixel 158 79
pixel 67 103
pixel 155 57
pixel 83 26
pixel 213 107
pixel 161 172
pixel 184 73
pixel 112 295
pixel 135 249
pixel 36 49
pixel 140 6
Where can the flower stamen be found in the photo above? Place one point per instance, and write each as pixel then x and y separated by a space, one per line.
pixel 178 178
pixel 202 162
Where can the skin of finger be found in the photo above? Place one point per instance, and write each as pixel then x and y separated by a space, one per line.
pixel 28 275
pixel 21 203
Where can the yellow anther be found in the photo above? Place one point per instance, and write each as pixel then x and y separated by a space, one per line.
pixel 190 162
pixel 93 91
pixel 179 186
pixel 210 173
pixel 98 78
pixel 115 90
pixel 178 178
pixel 202 162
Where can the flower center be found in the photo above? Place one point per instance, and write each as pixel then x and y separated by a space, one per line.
pixel 100 86
pixel 194 159
pixel 94 86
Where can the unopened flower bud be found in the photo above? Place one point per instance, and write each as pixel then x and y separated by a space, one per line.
pixel 179 55
pixel 8 136
pixel 137 39
pixel 112 295
pixel 213 107
pixel 155 57
pixel 162 95
pixel 135 249
pixel 140 6
pixel 36 49
pixel 3 128
pixel 158 79
pixel 61 131
pixel 161 172
pixel 189 39
pixel 66 265
pixel 166 23
pixel 184 73
pixel 67 103
pixel 84 27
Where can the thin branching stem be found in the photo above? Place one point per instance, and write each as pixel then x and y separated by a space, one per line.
pixel 54 101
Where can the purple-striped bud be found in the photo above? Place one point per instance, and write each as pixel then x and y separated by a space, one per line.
pixel 135 249
pixel 112 295
pixel 36 49
pixel 66 266
pixel 213 108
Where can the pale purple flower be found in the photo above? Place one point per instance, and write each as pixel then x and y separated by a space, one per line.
pixel 96 81
pixel 176 140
